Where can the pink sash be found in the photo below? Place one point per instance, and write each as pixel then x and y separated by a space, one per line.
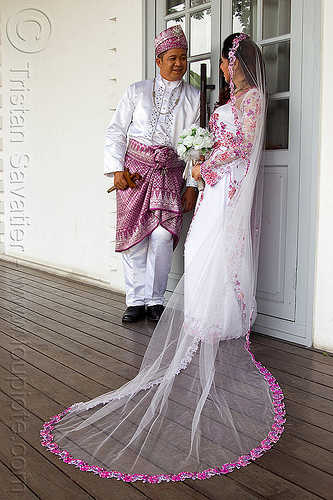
pixel 156 200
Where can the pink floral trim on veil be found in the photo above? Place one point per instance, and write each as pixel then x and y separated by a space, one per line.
pixel 47 439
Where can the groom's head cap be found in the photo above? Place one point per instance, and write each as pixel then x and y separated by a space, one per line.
pixel 171 38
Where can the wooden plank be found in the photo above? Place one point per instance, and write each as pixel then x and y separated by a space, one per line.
pixel 310 415
pixel 59 322
pixel 161 487
pixel 84 346
pixel 25 272
pixel 58 371
pixel 34 398
pixel 295 360
pixel 300 371
pixel 163 491
pixel 107 337
pixel 42 287
pixel 270 485
pixel 52 410
pixel 307 399
pixel 313 452
pixel 304 396
pixel 46 481
pixel 299 473
pixel 282 345
pixel 314 416
pixel 202 486
pixel 43 382
pixel 69 361
pixel 309 433
pixel 212 489
pixel 82 321
pixel 12 486
pixel 305 452
pixel 179 491
pixel 294 381
pixel 79 289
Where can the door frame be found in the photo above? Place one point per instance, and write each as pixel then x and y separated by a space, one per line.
pixel 300 330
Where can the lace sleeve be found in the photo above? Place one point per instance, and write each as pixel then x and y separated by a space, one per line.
pixel 230 147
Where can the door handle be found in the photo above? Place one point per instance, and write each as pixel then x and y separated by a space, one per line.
pixel 203 94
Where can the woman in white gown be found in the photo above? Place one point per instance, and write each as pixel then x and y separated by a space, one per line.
pixel 200 405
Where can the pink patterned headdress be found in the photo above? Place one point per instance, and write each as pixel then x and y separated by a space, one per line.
pixel 232 58
pixel 171 38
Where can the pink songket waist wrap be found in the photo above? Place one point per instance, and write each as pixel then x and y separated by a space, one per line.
pixel 157 198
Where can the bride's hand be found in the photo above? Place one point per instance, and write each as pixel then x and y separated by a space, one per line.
pixel 196 172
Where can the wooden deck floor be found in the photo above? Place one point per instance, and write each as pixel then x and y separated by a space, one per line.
pixel 63 342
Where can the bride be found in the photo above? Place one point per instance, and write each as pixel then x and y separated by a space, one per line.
pixel 201 404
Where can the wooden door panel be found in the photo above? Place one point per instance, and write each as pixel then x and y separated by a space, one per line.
pixel 273 294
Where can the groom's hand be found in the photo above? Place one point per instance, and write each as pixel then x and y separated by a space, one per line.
pixel 119 180
pixel 189 199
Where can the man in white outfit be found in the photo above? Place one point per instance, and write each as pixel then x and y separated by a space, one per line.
pixel 141 138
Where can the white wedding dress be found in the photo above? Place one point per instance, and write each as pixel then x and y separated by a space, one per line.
pixel 220 249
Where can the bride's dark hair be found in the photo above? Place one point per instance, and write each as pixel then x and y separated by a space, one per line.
pixel 250 59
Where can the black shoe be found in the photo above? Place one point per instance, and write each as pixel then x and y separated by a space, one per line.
pixel 154 312
pixel 133 314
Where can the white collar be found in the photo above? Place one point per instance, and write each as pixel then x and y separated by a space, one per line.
pixel 168 83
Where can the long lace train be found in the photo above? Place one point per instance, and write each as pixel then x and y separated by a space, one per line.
pixel 194 410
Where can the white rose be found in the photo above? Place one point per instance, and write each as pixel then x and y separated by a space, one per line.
pixel 181 150
pixel 201 131
pixel 186 131
pixel 208 142
pixel 188 141
pixel 198 142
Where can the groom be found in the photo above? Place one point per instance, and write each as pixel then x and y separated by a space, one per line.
pixel 141 138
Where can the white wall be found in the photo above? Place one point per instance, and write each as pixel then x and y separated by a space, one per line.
pixel 59 85
pixel 323 310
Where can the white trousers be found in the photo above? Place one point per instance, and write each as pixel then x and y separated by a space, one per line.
pixel 146 268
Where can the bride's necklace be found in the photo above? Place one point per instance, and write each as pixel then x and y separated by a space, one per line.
pixel 243 86
pixel 176 101
pixel 241 92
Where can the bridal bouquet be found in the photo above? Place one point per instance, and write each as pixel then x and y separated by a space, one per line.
pixel 194 143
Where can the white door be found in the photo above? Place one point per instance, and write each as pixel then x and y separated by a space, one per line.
pixel 288 31
pixel 278 29
pixel 281 28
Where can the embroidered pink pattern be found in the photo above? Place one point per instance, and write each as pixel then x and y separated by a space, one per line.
pixel 171 38
pixel 230 146
pixel 233 145
pixel 157 199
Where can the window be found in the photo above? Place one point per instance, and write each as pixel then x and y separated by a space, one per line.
pixel 268 23
pixel 195 17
